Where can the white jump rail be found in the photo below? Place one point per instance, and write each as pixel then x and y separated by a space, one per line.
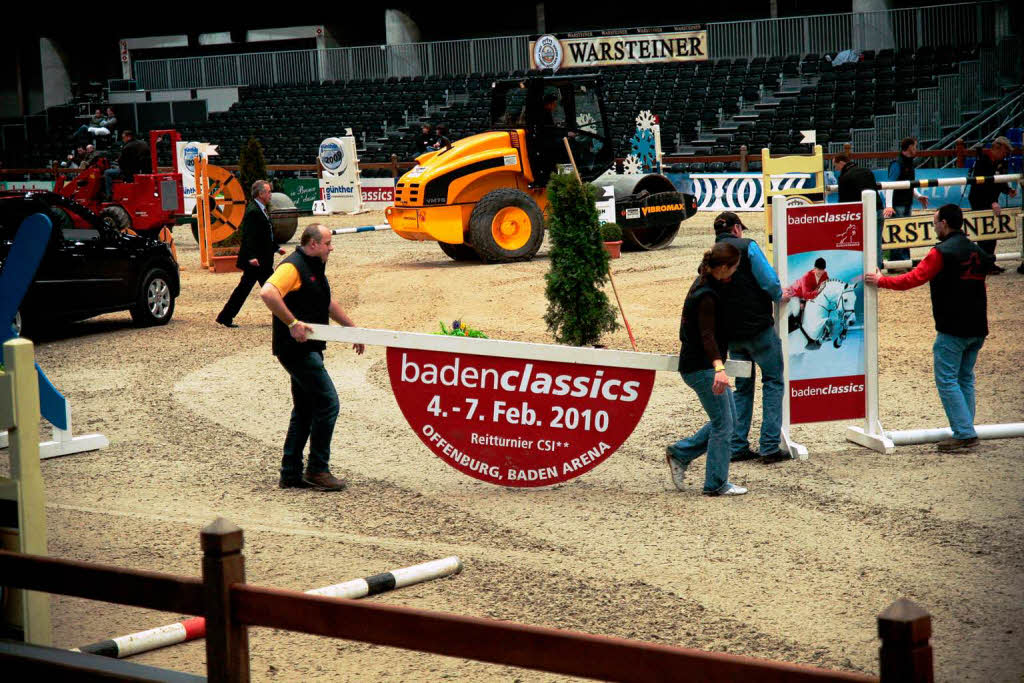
pixel 512 349
pixel 941 182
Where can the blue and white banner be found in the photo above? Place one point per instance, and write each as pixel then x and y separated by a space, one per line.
pixel 733 191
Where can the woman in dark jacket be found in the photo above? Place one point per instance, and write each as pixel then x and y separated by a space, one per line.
pixel 702 365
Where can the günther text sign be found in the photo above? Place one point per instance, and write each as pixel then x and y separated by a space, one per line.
pixel 515 421
pixel 619 46
pixel 918 230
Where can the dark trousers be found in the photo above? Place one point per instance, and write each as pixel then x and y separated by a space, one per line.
pixel 250 276
pixel 987 246
pixel 314 412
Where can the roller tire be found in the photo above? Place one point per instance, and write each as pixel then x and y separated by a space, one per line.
pixel 154 304
pixel 459 252
pixel 481 219
pixel 117 217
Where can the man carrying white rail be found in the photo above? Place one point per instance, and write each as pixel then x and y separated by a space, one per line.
pixel 955 269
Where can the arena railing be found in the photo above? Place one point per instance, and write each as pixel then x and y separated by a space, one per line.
pixel 964 24
pixel 230 606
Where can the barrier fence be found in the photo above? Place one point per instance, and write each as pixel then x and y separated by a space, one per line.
pixel 956 24
pixel 230 606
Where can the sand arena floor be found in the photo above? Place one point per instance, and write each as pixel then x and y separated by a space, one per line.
pixel 795 571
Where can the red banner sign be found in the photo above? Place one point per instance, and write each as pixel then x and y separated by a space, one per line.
pixel 514 421
pixel 826 329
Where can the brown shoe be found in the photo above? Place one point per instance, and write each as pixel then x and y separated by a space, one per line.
pixel 957 444
pixel 324 481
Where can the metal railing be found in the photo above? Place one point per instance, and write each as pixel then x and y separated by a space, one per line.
pixel 959 24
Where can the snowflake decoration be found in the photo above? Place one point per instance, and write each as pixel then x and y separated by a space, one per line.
pixel 631 166
pixel 586 122
pixel 645 120
pixel 642 146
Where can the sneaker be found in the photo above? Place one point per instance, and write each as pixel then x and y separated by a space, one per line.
pixel 677 469
pixel 957 444
pixel 729 489
pixel 772 458
pixel 745 454
pixel 323 481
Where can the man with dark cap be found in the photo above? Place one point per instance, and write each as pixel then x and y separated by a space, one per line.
pixel 747 303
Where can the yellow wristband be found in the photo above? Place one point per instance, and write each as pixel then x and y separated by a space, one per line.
pixel 293 323
pixel 719 367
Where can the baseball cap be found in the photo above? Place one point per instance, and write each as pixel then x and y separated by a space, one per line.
pixel 1004 141
pixel 725 220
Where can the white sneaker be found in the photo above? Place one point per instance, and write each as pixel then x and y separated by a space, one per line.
pixel 729 489
pixel 677 469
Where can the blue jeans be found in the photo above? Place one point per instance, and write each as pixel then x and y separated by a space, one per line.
pixel 109 176
pixel 314 412
pixel 954 359
pixel 898 254
pixel 765 350
pixel 713 437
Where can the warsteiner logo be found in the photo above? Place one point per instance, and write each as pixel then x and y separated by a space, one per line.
pixel 662 208
pixel 547 52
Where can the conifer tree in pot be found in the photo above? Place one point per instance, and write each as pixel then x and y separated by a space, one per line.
pixel 252 166
pixel 578 310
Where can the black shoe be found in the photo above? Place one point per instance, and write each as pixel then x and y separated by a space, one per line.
pixel 1020 269
pixel 745 454
pixel 772 458
pixel 290 483
pixel 226 323
pixel 997 270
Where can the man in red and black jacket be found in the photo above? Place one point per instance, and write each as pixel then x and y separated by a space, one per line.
pixel 955 269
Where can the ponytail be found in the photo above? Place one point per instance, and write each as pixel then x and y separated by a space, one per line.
pixel 721 254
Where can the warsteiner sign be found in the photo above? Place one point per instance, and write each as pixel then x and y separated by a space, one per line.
pixel 918 230
pixel 515 421
pixel 620 46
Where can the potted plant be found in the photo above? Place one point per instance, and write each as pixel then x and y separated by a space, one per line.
pixel 578 310
pixel 611 235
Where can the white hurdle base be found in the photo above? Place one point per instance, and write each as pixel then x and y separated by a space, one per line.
pixel 64 442
pixel 876 441
pixel 909 437
pixel 787 445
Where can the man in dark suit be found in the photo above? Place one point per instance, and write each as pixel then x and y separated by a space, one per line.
pixel 256 255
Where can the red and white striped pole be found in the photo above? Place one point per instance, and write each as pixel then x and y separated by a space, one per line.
pixel 195 628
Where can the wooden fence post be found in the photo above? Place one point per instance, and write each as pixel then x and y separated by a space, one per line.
pixel 227 641
pixel 905 655
pixel 961 152
pixel 394 166
pixel 847 148
pixel 743 159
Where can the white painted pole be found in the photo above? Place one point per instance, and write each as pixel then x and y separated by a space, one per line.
pixel 907 437
pixel 780 257
pixel 936 182
pixel 871 424
pixel 908 263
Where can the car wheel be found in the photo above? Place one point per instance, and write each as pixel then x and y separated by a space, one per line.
pixel 506 225
pixel 155 303
pixel 117 218
pixel 459 252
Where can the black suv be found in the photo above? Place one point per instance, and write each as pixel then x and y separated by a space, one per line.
pixel 89 267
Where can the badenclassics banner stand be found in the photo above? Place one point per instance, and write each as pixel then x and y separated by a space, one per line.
pixel 829 339
pixel 515 413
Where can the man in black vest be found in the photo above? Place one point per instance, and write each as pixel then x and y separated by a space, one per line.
pixel 298 293
pixel 747 303
pixel 853 180
pixel 955 270
pixel 986 197
pixel 899 202
pixel 256 255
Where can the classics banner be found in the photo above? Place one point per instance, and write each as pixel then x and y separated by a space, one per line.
pixel 517 422
pixel 825 264
pixel 620 46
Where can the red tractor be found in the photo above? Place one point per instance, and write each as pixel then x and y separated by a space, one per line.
pixel 145 205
